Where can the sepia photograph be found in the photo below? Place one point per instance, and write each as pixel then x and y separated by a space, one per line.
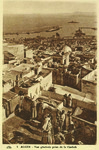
pixel 49 72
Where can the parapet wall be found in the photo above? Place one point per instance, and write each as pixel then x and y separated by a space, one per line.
pixel 52 95
pixel 76 102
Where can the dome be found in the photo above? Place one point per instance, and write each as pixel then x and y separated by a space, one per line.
pixel 66 49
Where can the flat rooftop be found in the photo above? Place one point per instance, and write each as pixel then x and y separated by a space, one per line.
pixel 44 72
pixel 75 93
pixel 22 67
pixel 29 83
pixel 32 80
pixel 11 75
pixel 9 95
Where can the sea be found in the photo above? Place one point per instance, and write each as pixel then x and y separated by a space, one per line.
pixel 34 22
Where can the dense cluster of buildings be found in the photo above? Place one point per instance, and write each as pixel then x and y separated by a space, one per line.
pixel 49 88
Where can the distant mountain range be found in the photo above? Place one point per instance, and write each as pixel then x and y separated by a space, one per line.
pixel 59 14
pixel 85 13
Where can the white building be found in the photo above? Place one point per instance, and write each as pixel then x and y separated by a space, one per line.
pixel 16 49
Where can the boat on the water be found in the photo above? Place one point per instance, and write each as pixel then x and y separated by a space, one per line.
pixel 53 29
pixel 94 28
pixel 73 22
pixel 79 33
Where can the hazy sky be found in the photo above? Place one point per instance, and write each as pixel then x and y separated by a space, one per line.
pixel 44 7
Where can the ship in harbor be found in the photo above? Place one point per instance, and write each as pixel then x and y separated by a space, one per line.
pixel 73 22
pixel 55 28
pixel 79 33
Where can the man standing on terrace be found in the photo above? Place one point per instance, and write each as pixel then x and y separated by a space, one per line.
pixel 69 101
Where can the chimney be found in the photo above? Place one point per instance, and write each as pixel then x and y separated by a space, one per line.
pixel 16 80
pixel 24 53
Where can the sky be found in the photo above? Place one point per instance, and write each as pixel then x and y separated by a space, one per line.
pixel 46 7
